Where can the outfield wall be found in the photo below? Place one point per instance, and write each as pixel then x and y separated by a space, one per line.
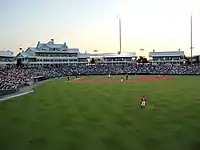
pixel 136 74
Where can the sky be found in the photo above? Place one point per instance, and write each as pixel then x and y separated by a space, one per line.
pixel 163 25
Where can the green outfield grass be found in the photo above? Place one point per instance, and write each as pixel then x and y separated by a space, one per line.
pixel 61 115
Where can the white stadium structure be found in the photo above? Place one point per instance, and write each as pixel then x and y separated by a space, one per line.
pixel 7 57
pixel 51 53
pixel 167 57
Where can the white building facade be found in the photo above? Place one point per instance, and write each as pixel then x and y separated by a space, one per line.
pixel 52 54
pixel 114 58
pixel 175 57
pixel 7 58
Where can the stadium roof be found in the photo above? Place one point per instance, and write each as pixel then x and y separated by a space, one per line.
pixel 126 54
pixel 24 55
pixel 114 55
pixel 51 44
pixel 33 49
pixel 166 53
pixel 69 50
pixel 7 53
pixel 83 55
pixel 59 47
pixel 73 50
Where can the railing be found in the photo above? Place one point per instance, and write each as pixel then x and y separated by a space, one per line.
pixel 50 62
pixel 171 61
pixel 113 62
pixel 55 58
pixel 7 62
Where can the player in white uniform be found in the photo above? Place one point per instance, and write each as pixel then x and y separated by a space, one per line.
pixel 143 102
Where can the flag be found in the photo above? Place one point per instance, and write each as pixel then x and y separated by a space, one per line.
pixel 141 49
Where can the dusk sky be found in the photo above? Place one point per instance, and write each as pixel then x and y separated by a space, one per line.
pixel 163 25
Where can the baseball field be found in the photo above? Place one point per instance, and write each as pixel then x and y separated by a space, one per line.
pixel 101 113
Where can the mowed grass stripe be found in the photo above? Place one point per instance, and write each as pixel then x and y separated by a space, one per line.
pixel 62 115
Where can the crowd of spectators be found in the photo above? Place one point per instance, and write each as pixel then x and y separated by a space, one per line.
pixel 7 59
pixel 12 77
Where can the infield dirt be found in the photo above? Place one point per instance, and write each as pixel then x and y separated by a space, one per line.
pixel 118 80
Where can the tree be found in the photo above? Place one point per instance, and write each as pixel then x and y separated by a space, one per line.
pixel 145 60
pixel 92 61
pixel 142 59
pixel 187 61
pixel 139 60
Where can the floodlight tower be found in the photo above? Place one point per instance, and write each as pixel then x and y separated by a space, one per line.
pixel 191 44
pixel 120 35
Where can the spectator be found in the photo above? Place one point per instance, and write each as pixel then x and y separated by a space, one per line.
pixel 12 77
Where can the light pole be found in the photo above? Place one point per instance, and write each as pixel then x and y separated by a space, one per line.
pixel 120 35
pixel 191 47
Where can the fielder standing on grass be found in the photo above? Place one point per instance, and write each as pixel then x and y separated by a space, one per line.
pixel 122 79
pixel 126 76
pixel 143 102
